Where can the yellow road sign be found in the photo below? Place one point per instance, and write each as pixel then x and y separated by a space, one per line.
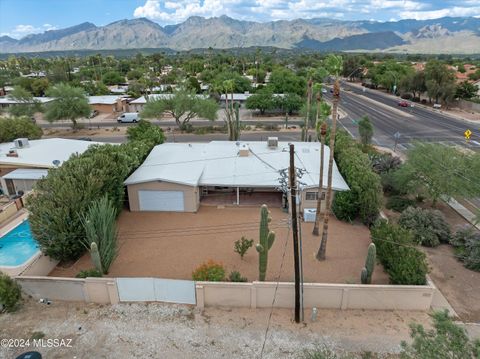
pixel 467 134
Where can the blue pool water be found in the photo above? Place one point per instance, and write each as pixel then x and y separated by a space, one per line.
pixel 17 246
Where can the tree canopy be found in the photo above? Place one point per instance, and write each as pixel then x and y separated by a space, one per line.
pixel 183 105
pixel 147 132
pixel 70 104
pixel 18 127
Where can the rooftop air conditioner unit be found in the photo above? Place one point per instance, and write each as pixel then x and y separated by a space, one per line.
pixel 21 142
pixel 309 214
pixel 244 150
pixel 272 142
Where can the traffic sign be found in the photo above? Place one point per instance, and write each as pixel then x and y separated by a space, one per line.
pixel 467 134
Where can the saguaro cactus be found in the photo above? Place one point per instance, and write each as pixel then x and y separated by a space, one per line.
pixel 367 271
pixel 266 240
pixel 95 255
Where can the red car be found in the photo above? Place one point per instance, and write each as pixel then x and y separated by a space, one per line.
pixel 403 104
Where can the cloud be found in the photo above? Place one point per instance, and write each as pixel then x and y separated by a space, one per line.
pixel 434 14
pixel 20 31
pixel 171 11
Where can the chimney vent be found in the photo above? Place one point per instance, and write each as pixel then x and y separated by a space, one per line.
pixel 244 150
pixel 21 143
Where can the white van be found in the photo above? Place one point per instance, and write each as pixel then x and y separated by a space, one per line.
pixel 128 117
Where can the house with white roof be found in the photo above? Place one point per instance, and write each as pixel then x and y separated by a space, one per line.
pixel 138 104
pixel 241 98
pixel 108 103
pixel 23 162
pixel 181 176
pixel 7 101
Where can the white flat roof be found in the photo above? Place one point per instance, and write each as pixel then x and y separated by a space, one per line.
pixel 7 100
pixel 26 174
pixel 103 100
pixel 42 153
pixel 157 96
pixel 244 96
pixel 218 163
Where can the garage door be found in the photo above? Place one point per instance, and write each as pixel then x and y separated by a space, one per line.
pixel 161 201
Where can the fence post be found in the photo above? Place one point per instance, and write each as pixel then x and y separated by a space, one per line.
pixel 253 296
pixel 199 291
pixel 344 304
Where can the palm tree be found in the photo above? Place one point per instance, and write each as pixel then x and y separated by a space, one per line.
pixel 323 132
pixel 326 216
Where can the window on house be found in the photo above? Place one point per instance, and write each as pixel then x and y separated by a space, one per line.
pixel 313 196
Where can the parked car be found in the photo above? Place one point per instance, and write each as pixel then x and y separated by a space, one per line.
pixel 403 104
pixel 128 117
pixel 93 114
pixel 437 105
pixel 324 90
pixel 83 138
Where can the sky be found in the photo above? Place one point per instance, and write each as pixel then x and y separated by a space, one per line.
pixel 22 17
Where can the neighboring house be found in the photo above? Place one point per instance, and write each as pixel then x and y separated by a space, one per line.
pixel 180 176
pixel 118 89
pixel 108 103
pixel 7 101
pixel 241 98
pixel 24 162
pixel 138 104
pixel 37 74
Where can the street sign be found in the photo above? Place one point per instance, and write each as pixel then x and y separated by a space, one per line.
pixel 467 134
pixel 397 135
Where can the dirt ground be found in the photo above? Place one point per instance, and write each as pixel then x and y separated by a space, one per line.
pixel 172 245
pixel 172 331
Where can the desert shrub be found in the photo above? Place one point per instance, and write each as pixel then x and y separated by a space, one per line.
pixel 100 227
pixel 428 226
pixel 391 185
pixel 67 192
pixel 242 245
pixel 384 162
pixel 209 271
pixel 399 204
pixel 10 293
pixel 404 263
pixel 466 241
pixel 88 273
pixel 355 167
pixel 235 276
pixel 446 340
pixel 344 206
pixel 13 128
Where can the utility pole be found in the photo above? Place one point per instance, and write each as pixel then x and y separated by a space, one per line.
pixel 296 256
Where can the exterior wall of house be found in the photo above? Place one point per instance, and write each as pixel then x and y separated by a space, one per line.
pixel 191 194
pixel 102 108
pixel 309 203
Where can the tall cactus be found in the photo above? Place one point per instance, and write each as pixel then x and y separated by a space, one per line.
pixel 266 239
pixel 95 255
pixel 367 271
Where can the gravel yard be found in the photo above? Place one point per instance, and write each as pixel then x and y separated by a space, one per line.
pixel 173 331
pixel 172 245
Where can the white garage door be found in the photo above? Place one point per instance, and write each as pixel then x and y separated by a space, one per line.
pixel 161 201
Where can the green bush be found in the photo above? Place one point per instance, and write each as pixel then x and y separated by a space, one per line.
pixel 10 293
pixel 88 273
pixel 404 263
pixel 466 241
pixel 365 188
pixel 67 192
pixel 147 132
pixel 399 204
pixel 428 226
pixel 13 128
pixel 391 185
pixel 344 206
pixel 235 276
pixel 209 271
pixel 446 340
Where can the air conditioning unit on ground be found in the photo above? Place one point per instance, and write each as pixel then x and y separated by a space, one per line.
pixel 309 214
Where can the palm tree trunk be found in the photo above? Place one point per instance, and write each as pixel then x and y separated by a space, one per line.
pixel 309 103
pixel 326 216
pixel 320 187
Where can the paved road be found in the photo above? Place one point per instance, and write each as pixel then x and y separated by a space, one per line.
pixel 417 123
pixel 251 136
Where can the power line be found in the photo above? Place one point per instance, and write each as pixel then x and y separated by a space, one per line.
pixel 275 292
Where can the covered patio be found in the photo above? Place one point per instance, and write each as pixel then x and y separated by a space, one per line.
pixel 241 197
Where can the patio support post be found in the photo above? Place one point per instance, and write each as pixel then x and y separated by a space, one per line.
pixel 238 196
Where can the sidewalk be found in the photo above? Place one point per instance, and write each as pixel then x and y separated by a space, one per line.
pixel 461 210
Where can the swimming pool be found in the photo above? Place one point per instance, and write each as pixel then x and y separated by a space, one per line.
pixel 17 246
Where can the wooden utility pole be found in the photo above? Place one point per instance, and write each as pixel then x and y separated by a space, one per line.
pixel 296 256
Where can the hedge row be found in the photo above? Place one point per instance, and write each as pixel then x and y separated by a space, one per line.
pixel 364 198
pixel 65 194
pixel 404 263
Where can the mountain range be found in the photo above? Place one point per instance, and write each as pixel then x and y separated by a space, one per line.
pixel 460 35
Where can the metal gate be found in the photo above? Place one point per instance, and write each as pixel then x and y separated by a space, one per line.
pixel 156 290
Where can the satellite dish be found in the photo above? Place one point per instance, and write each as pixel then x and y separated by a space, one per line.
pixel 56 163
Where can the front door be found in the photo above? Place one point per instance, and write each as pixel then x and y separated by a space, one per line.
pixel 10 187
